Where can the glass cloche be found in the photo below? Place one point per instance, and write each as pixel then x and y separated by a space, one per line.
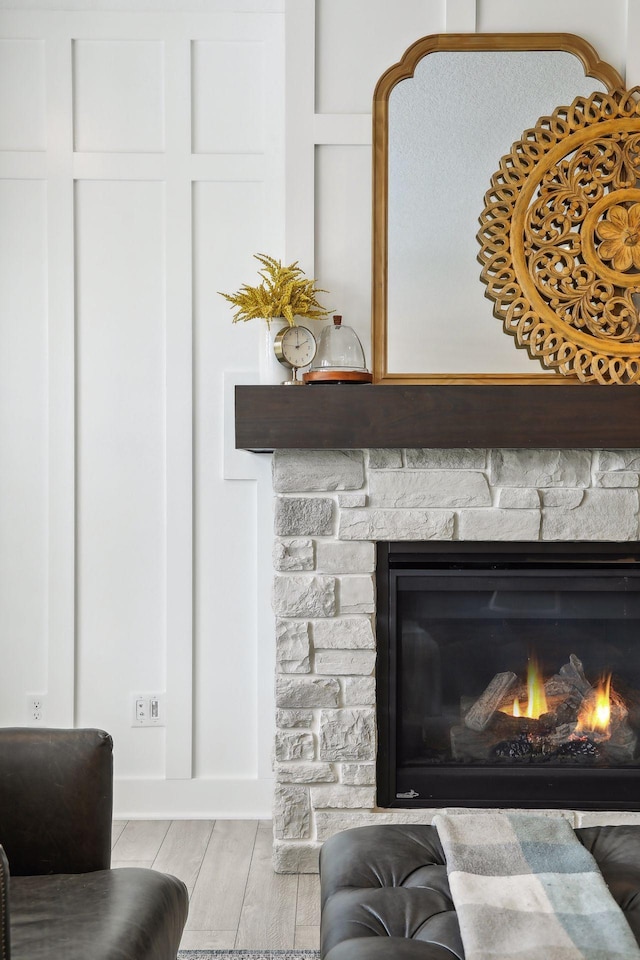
pixel 339 357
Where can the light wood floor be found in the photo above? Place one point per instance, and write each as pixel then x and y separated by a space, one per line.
pixel 236 900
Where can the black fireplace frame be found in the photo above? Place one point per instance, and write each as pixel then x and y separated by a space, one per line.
pixel 537 787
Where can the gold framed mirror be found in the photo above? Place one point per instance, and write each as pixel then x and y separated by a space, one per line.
pixel 442 118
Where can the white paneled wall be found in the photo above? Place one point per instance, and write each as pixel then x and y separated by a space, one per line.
pixel 22 113
pixel 120 452
pixel 142 163
pixel 23 438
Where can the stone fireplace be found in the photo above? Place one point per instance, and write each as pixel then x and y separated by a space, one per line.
pixel 331 509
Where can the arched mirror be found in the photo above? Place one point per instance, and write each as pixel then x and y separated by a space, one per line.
pixel 443 117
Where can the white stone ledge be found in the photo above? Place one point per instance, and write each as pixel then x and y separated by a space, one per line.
pixel 329 823
pixel 602 818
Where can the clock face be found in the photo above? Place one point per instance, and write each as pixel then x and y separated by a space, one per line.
pixel 295 347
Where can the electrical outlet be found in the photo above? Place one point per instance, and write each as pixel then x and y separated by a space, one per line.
pixel 36 708
pixel 148 710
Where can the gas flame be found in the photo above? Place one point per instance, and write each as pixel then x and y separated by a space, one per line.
pixel 537 702
pixel 596 714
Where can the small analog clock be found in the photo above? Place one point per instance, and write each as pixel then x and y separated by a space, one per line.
pixel 295 347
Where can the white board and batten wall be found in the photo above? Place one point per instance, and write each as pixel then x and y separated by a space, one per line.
pixel 144 157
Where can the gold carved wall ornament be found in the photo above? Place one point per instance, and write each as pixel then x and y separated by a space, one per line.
pixel 560 239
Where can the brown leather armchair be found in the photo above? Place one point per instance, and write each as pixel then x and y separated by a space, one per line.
pixel 62 899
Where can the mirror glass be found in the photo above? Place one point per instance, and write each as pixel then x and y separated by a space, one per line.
pixel 448 126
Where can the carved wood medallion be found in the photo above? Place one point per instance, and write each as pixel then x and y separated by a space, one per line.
pixel 560 239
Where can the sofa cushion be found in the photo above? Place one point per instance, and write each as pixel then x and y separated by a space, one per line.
pixel 127 913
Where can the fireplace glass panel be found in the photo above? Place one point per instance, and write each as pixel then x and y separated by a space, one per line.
pixel 513 678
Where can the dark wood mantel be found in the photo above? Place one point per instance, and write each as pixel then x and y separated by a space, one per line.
pixel 454 415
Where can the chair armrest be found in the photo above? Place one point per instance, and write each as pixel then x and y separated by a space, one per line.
pixel 5 938
pixel 56 798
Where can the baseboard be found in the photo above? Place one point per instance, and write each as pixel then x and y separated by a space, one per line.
pixel 198 799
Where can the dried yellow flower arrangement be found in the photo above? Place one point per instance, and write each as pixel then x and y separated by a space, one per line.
pixel 284 292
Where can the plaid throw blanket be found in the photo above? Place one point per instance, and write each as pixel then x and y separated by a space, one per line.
pixel 525 888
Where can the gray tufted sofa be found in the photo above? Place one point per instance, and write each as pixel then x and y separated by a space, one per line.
pixel 385 891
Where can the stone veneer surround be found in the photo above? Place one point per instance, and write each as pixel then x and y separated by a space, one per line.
pixel 331 508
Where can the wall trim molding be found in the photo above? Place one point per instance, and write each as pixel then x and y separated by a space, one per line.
pixel 200 799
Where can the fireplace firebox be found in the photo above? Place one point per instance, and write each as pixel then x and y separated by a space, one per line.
pixel 509 675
